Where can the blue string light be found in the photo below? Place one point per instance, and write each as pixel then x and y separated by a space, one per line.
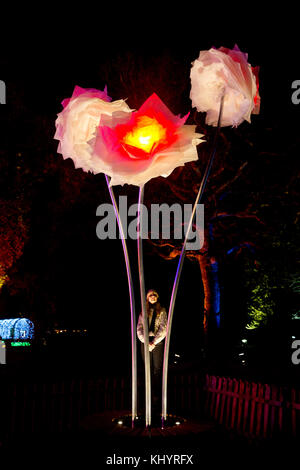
pixel 16 328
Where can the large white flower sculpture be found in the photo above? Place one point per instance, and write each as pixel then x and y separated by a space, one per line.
pixel 129 146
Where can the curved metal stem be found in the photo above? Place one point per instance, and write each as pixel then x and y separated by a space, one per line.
pixel 144 309
pixel 132 304
pixel 180 265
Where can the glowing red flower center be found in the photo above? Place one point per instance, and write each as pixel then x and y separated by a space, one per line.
pixel 146 134
pixel 150 130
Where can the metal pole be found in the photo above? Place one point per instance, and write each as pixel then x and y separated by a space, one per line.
pixel 180 265
pixel 132 304
pixel 144 309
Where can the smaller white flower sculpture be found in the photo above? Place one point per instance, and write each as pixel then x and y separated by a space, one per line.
pixel 219 71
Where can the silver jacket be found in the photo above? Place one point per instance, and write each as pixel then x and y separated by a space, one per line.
pixel 160 328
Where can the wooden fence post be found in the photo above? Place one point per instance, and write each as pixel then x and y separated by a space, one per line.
pixel 219 386
pixel 234 401
pixel 260 401
pixel 213 385
pixel 229 398
pixel 224 395
pixel 280 411
pixel 274 391
pixel 207 390
pixel 266 410
pixel 253 405
pixel 240 403
pixel 246 405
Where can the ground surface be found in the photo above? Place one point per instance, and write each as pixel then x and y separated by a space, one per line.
pixel 103 443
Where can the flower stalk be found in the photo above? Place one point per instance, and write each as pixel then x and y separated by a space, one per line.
pixel 144 309
pixel 180 265
pixel 132 305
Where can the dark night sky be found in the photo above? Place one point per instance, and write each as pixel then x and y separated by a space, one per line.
pixel 89 277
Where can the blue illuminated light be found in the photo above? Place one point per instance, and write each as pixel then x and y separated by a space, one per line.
pixel 16 328
pixel 216 291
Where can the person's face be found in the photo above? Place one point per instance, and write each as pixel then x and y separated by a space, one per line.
pixel 152 298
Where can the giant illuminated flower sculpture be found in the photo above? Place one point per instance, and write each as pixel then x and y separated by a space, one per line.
pixel 136 147
pixel 129 147
pixel 224 86
pixel 225 70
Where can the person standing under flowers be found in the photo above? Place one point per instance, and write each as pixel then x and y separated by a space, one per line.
pixel 157 328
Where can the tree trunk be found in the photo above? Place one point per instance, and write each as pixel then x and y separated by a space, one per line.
pixel 205 267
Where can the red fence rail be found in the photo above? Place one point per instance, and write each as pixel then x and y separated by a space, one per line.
pixel 253 409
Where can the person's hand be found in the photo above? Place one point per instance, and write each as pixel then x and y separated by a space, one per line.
pixel 151 346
